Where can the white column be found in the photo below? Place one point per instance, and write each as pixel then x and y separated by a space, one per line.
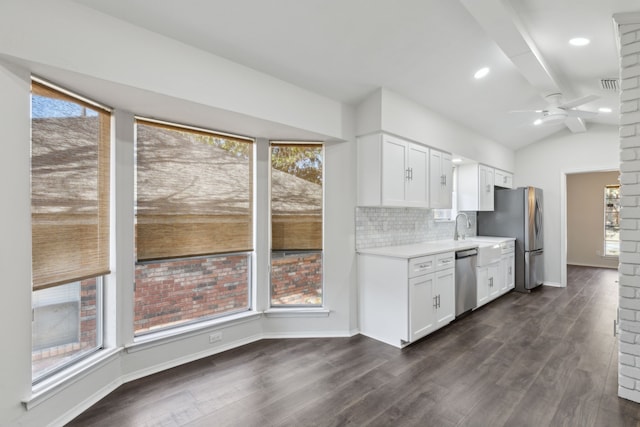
pixel 629 271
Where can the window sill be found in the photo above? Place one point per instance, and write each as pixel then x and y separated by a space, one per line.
pixel 297 312
pixel 63 379
pixel 179 333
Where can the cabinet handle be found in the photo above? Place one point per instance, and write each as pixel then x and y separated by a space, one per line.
pixel 438 300
pixel 504 179
pixel 406 174
pixel 435 302
pixel 488 188
pixel 491 282
pixel 411 173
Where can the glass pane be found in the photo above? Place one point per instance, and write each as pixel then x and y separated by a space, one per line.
pixel 176 292
pixel 296 278
pixel 296 224
pixel 66 325
pixel 69 188
pixel 193 193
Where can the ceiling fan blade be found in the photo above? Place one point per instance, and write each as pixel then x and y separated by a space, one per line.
pixel 575 124
pixel 579 101
pixel 581 113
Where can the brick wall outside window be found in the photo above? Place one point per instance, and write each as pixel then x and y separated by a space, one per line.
pixel 174 292
pixel 296 279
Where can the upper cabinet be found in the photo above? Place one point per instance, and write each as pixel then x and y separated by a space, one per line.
pixel 475 187
pixel 440 179
pixel 503 179
pixel 392 172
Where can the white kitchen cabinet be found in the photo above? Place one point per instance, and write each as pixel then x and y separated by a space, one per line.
pixel 507 265
pixel 440 179
pixel 392 172
pixel 445 297
pixel 503 179
pixel 403 300
pixel 489 282
pixel 475 187
pixel 423 303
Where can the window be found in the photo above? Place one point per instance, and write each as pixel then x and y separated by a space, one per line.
pixel 296 224
pixel 612 220
pixel 194 225
pixel 70 151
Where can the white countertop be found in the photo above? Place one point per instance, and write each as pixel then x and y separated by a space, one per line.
pixel 433 247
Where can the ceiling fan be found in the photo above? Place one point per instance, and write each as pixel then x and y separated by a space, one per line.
pixel 557 112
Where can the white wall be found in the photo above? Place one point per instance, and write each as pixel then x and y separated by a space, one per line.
pixel 585 218
pixel 15 243
pixel 545 165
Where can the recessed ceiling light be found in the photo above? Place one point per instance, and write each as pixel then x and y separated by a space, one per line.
pixel 456 160
pixel 538 122
pixel 604 109
pixel 482 72
pixel 579 41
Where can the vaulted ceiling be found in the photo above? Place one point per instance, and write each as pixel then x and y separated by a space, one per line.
pixel 426 50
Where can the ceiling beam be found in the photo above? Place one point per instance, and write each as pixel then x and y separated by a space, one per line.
pixel 501 22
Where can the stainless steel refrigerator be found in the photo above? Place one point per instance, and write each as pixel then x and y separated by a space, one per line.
pixel 518 213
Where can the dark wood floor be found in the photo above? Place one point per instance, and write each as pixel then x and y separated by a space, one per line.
pixel 544 359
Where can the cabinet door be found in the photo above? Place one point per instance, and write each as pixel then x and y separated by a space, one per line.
pixel 485 190
pixel 422 302
pixel 503 179
pixel 509 277
pixel 440 180
pixel 483 285
pixel 417 191
pixel 445 297
pixel 495 280
pixel 394 171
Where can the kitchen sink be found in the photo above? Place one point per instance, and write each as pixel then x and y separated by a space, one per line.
pixel 488 251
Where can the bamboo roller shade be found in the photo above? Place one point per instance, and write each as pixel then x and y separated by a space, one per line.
pixel 194 196
pixel 69 191
pixel 296 207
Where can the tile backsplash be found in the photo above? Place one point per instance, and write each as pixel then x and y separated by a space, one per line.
pixel 377 227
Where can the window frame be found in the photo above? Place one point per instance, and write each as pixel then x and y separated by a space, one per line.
pixel 169 329
pixel 101 269
pixel 615 210
pixel 274 308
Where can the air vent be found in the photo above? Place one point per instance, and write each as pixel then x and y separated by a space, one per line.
pixel 609 84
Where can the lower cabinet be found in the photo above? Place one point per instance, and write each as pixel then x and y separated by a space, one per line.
pixel 403 300
pixel 507 264
pixel 497 278
pixel 489 282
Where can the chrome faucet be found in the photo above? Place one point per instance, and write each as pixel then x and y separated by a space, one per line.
pixel 455 233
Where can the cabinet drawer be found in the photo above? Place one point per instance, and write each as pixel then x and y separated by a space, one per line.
pixel 422 265
pixel 445 261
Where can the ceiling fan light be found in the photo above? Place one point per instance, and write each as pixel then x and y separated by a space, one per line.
pixel 579 41
pixel 482 72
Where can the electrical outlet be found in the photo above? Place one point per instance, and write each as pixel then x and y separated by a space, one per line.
pixel 215 337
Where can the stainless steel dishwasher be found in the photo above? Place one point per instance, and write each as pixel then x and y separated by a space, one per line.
pixel 466 286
